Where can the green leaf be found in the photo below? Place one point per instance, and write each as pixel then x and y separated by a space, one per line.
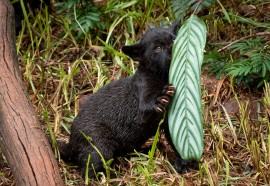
pixel 181 7
pixel 185 113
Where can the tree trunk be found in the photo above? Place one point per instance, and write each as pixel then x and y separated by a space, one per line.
pixel 22 141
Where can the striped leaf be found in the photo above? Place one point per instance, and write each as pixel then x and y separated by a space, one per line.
pixel 185 113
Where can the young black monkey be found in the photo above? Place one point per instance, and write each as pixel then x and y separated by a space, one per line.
pixel 122 115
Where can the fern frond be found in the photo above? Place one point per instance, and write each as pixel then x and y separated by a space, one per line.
pixel 246 46
pixel 255 67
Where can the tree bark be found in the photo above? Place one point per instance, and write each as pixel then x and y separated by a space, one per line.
pixel 22 140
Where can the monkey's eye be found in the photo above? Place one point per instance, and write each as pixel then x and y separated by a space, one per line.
pixel 158 49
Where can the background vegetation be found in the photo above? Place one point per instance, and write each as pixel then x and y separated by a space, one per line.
pixel 73 49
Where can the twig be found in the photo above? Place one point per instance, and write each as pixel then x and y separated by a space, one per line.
pixel 245 37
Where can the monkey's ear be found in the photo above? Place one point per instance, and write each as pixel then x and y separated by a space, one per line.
pixel 174 27
pixel 133 51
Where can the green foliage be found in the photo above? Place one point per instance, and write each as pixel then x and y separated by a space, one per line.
pixel 181 7
pixel 246 47
pixel 216 63
pixel 84 15
pixel 256 67
pixel 113 16
pixel 185 113
pixel 248 62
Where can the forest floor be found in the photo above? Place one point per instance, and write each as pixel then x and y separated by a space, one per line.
pixel 60 68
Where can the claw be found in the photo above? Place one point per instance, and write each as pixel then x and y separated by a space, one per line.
pixel 170 92
pixel 159 109
pixel 164 100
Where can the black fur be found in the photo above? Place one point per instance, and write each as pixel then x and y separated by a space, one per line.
pixel 122 115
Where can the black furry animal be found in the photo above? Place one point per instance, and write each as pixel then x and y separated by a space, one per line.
pixel 122 115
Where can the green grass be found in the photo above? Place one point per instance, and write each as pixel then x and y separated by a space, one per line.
pixel 59 69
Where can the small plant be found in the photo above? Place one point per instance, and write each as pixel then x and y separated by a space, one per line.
pixel 253 63
pixel 247 61
pixel 84 15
